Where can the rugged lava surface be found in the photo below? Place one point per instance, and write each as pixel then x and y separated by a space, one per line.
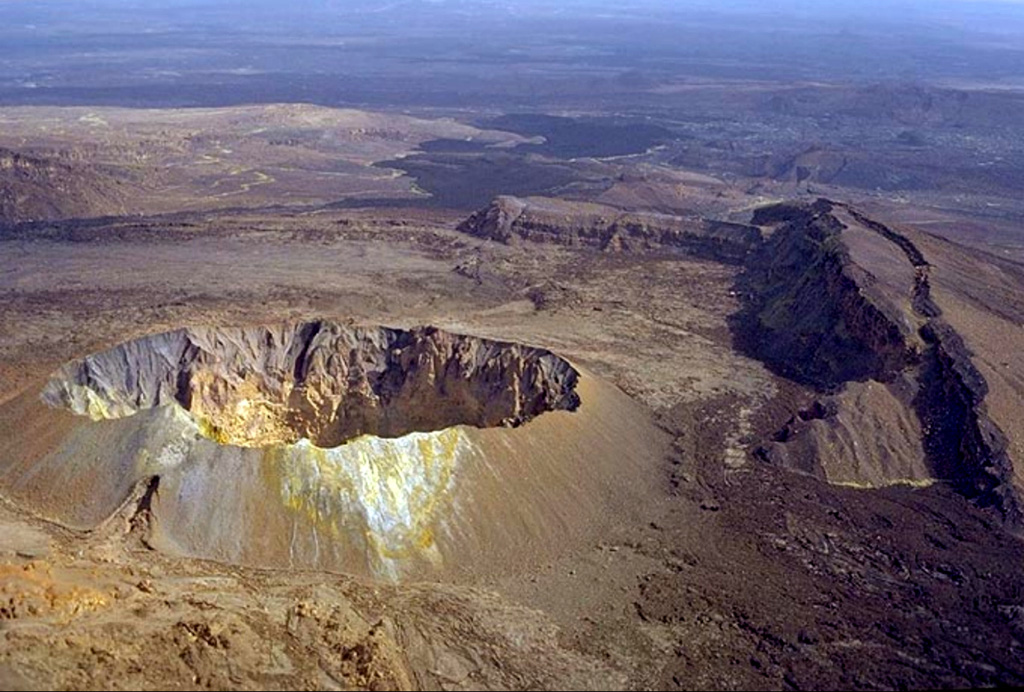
pixel 844 303
pixel 263 386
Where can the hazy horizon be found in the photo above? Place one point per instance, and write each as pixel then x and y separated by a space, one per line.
pixel 438 52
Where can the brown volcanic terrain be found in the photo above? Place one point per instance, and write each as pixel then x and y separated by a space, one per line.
pixel 33 187
pixel 79 162
pixel 582 224
pixel 863 310
pixel 794 461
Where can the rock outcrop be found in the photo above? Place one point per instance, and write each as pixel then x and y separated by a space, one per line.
pixel 962 442
pixel 812 312
pixel 35 188
pixel 320 381
pixel 583 224
pixel 843 303
pixel 839 303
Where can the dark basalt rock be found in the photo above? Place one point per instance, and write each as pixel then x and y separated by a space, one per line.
pixel 808 316
pixel 805 312
pixel 963 444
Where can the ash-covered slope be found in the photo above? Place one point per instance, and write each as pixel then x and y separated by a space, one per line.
pixel 584 224
pixel 843 303
pixel 372 450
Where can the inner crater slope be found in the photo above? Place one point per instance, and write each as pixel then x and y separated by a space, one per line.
pixel 315 445
pixel 327 383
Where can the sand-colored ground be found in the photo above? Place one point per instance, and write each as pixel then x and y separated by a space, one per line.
pixel 721 572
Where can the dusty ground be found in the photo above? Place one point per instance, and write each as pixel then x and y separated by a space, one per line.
pixel 725 572
pixel 128 161
pixel 733 575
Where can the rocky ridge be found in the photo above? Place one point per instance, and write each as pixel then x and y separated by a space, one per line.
pixel 611 229
pixel 839 303
pixel 35 187
pixel 817 316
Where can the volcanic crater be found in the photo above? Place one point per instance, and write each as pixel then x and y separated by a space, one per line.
pixel 389 453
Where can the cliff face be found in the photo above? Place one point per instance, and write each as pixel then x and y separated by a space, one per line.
pixel 808 312
pixel 843 303
pixel 329 383
pixel 578 224
pixel 835 301
pixel 962 442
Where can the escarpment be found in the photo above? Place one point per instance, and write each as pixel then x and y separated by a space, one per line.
pixel 35 187
pixel 838 302
pixel 811 312
pixel 843 303
pixel 962 442
pixel 610 229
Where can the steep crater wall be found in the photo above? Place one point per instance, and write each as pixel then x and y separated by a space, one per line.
pixel 328 383
pixel 382 452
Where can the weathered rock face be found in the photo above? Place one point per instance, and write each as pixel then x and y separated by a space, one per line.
pixel 580 224
pixel 840 303
pixel 40 188
pixel 255 387
pixel 811 313
pixel 843 303
pixel 964 445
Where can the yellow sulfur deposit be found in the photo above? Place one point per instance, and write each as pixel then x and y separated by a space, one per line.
pixel 395 489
